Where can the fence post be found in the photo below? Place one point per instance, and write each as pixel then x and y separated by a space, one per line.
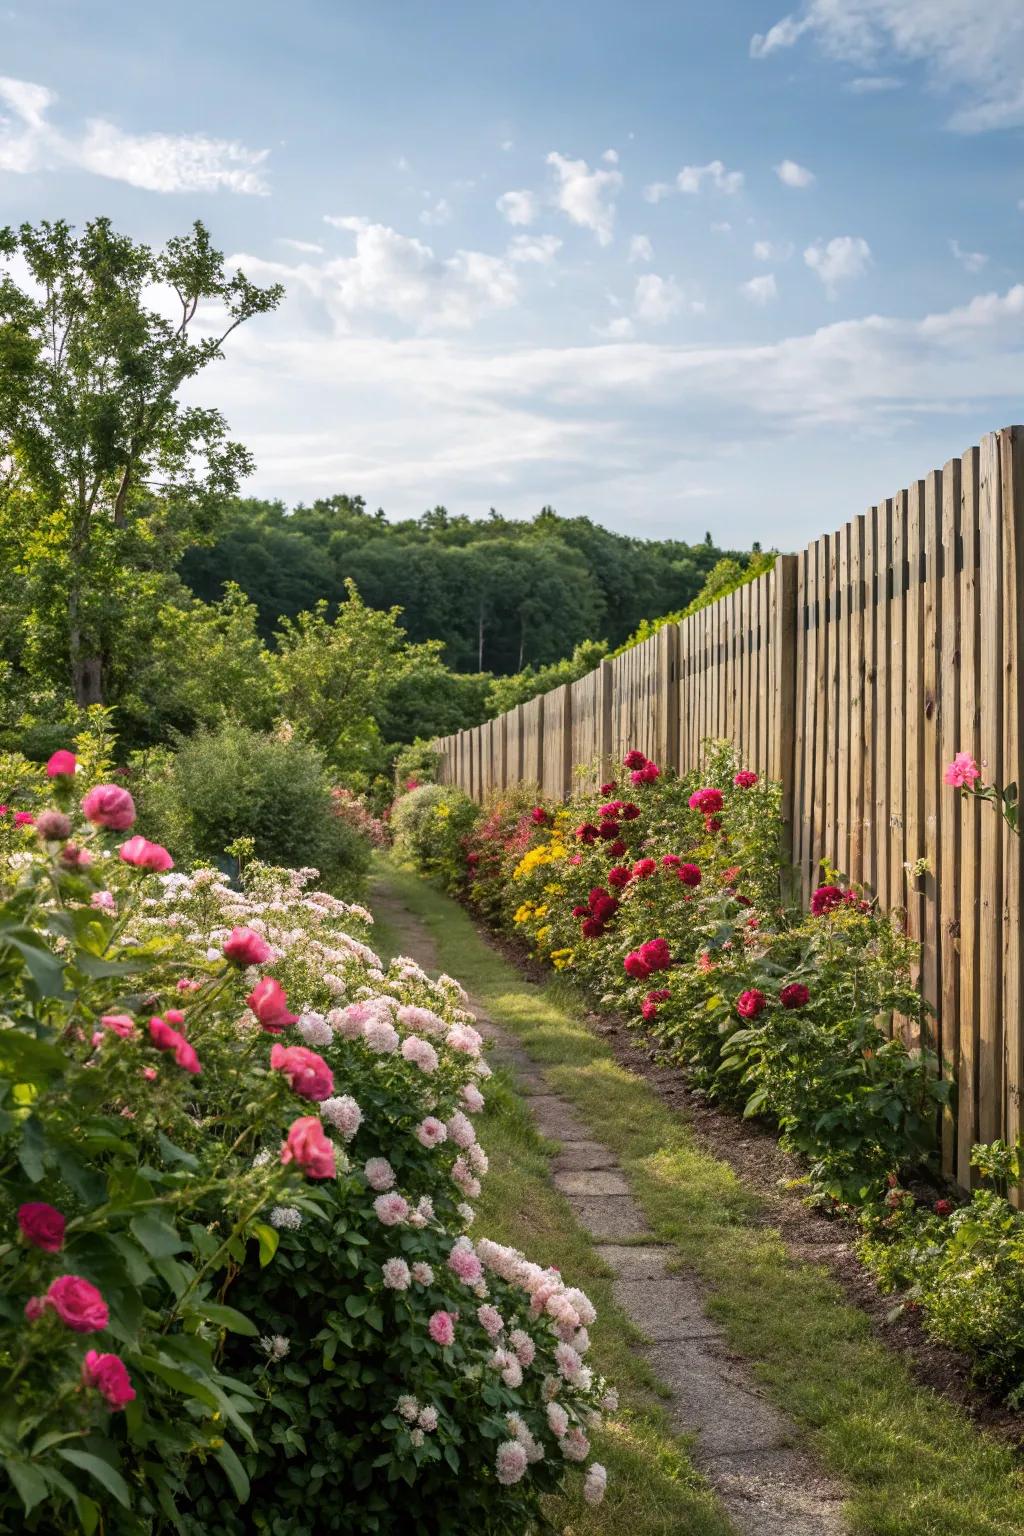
pixel 781 755
pixel 667 686
pixel 1011 464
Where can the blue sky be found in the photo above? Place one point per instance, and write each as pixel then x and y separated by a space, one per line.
pixel 672 266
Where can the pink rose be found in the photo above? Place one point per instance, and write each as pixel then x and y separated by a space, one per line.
pixel 962 771
pixel 61 763
pixel 78 1304
pixel 108 805
pixel 109 1375
pixel 744 779
pixel 24 819
pixel 245 946
pixel 73 857
pixel 308 1073
pixel 270 1005
pixel 442 1328
pixel 167 1039
pixel 308 1147
pixel 42 1226
pixel 146 855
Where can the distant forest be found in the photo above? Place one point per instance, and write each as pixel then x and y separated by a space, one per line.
pixel 501 595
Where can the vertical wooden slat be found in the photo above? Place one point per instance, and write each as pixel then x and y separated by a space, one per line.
pixel 882 687
pixel 969 740
pixel 1011 465
pixel 843 738
pixel 800 721
pixel 913 812
pixel 822 719
pixel 857 831
pixel 949 680
pixel 990 906
pixel 931 768
pixel 897 709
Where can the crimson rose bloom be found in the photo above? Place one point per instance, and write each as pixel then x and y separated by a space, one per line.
pixel 580 911
pixel 61 763
pixel 656 954
pixel 78 1304
pixel 592 928
pixel 795 995
pixel 943 1207
pixel 108 805
pixel 608 829
pixel 707 801
pixel 607 789
pixel 670 860
pixel 636 966
pixel 109 1375
pixel 167 1039
pixel 612 808
pixel 689 874
pixel 643 869
pixel 270 1005
pixel 619 875
pixel 246 947
pixel 647 774
pixel 616 850
pixel 308 1073
pixel 146 855
pixel 634 759
pixel 744 779
pixel 308 1147
pixel 825 898
pixel 42 1225
pixel 649 1006
pixel 539 815
pixel 587 832
pixel 750 1003
pixel 630 812
pixel 604 908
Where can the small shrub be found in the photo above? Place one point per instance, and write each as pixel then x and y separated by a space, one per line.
pixel 231 783
pixel 430 826
pixel 355 813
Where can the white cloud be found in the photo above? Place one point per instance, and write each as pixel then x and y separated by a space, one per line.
pixel 971 261
pixel 761 290
pixel 539 249
pixel 694 178
pixel 844 257
pixel 156 162
pixel 440 213
pixel 971 50
pixel 772 250
pixel 620 328
pixel 307 247
pixel 656 299
pixel 793 175
pixel 611 157
pixel 871 85
pixel 518 207
pixel 507 145
pixel 640 248
pixel 657 190
pixel 586 196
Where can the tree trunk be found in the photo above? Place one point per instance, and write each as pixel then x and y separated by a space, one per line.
pixel 86 671
pixel 480 644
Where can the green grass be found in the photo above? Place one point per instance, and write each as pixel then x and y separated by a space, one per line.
pixel 914 1465
pixel 653 1488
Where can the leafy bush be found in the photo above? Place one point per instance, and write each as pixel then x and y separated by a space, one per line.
pixel 355 813
pixel 430 826
pixel 232 782
pixel 419 763
pixel 204 1272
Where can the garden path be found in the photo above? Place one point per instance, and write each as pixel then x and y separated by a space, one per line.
pixel 745 1447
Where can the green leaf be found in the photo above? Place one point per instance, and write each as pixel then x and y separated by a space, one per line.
pixel 225 1317
pixel 46 970
pixel 156 1235
pixel 268 1239
pixel 180 1380
pixel 88 1513
pixel 235 1471
pixel 173 1154
pixel 23 1056
pixel 29 1481
pixel 356 1304
pixel 32 1149
pixel 101 1470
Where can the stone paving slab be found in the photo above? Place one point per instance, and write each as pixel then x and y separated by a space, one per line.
pixel 727 1417
pixel 612 1216
pixel 666 1309
pixel 583 1154
pixel 556 1120
pixel 591 1181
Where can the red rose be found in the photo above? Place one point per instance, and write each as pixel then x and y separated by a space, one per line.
pixel 604 909
pixel 619 875
pixel 670 860
pixel 108 805
pixel 643 869
pixel 581 911
pixel 608 830
pixel 539 815
pixel 607 789
pixel 943 1207
pixel 751 1003
pixel 616 850
pixel 244 946
pixel 42 1225
pixel 308 1073
pixel 656 954
pixel 634 759
pixel 636 966
pixel 712 823
pixel 309 1149
pixel 270 1005
pixel 744 779
pixel 612 808
pixel 707 801
pixel 593 928
pixel 587 832
pixel 109 1375
pixel 630 812
pixel 647 774
pixel 794 995
pixel 689 874
pixel 824 899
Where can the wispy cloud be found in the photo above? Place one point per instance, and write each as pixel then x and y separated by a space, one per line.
pixel 761 290
pixel 843 258
pixel 971 261
pixel 156 162
pixel 587 197
pixel 519 207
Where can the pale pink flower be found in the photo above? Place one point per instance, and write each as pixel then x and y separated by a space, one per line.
pixel 343 1113
pixel 584 1306
pixel 397 1274
pixel 442 1328
pixel 523 1345
pixel 420 1052
pixel 464 1038
pixel 574 1445
pixel 422 1273
pixel 462 1261
pixel 380 1036
pixel 461 1130
pixel 350 1021
pixel 462 1176
pixel 568 1361
pixel 428 1419
pixel 490 1320
pixel 407 1407
pixel 510 1462
pixel 472 1098
pixel 391 1210
pixel 431 1132
pixel 379 1173
pixel 595 1483
pixel 558 1419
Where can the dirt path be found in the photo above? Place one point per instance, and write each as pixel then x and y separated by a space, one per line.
pixel 747 1450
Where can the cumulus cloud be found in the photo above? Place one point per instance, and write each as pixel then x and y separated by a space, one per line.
pixel 586 197
pixel 974 52
pixel 971 261
pixel 694 178
pixel 844 257
pixel 620 328
pixel 518 207
pixel 656 299
pixel 761 290
pixel 538 249
pixel 656 191
pixel 307 247
pixel 793 175
pixel 640 248
pixel 156 162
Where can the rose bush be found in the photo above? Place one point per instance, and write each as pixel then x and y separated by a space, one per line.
pixel 238 1154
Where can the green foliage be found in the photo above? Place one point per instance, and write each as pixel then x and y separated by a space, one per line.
pixel 231 782
pixel 506 692
pixel 418 761
pixel 430 826
pixel 725 576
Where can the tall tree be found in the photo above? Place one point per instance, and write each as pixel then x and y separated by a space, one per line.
pixel 103 468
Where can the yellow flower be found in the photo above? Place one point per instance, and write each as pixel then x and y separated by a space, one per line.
pixel 553 888
pixel 542 933
pixel 561 958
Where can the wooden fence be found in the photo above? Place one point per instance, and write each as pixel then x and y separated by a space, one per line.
pixel 852 673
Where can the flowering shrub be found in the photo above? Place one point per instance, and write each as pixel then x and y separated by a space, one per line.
pixel 663 895
pixel 353 810
pixel 234 1234
pixel 430 825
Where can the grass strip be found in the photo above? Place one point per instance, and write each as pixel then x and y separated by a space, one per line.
pixel 914 1464
pixel 653 1487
